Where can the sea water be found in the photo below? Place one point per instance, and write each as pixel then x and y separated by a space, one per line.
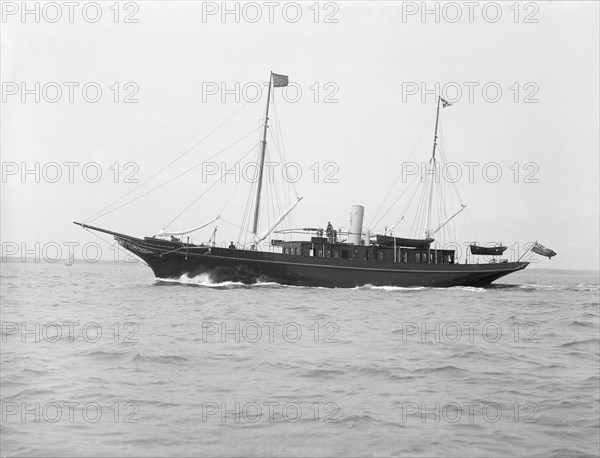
pixel 104 360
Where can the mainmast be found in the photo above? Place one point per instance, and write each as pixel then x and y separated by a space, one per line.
pixel 275 80
pixel 431 173
pixel 261 162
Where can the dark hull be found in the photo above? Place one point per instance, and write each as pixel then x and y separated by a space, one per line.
pixel 171 260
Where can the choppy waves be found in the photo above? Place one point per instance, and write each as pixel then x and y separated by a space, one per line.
pixel 227 369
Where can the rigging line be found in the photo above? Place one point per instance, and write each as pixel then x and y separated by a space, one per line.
pixel 450 228
pixel 99 236
pixel 178 176
pixel 290 184
pixel 275 143
pixel 168 165
pixel 195 200
pixel 248 209
pixel 230 197
pixel 473 226
pixel 279 132
pixel 397 199
pixel 442 214
pixel 462 229
pixel 251 202
pixel 424 209
pixel 234 225
pixel 277 135
pixel 409 203
pixel 108 243
pixel 212 186
pixel 277 127
pixel 284 189
pixel 229 236
pixel 270 205
pixel 452 182
pixel 172 251
pixel 279 202
pixel 419 220
pixel 422 213
pixel 239 239
pixel 400 174
pixel 443 153
pixel 246 216
pixel 274 134
pixel 416 216
pixel 277 198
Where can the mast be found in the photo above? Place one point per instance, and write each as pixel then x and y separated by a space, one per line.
pixel 261 162
pixel 432 174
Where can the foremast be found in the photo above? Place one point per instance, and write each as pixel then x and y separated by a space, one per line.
pixel 261 161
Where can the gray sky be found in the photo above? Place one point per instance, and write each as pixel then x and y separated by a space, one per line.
pixel 541 132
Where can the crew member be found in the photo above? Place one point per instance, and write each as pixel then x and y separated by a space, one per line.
pixel 231 246
pixel 330 233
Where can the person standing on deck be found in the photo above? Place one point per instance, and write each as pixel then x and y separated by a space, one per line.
pixel 330 233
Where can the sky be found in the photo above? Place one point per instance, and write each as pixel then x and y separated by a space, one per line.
pixel 523 129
